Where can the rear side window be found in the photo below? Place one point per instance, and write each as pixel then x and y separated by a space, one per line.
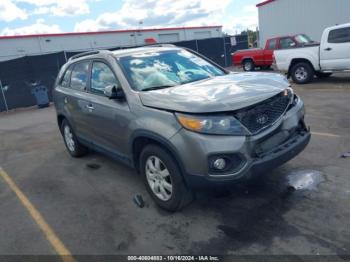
pixel 66 78
pixel 101 77
pixel 80 75
pixel 272 44
pixel 341 35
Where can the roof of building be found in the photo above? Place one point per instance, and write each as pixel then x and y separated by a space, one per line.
pixel 265 3
pixel 109 32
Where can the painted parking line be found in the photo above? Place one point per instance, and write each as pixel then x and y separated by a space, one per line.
pixel 50 235
pixel 324 134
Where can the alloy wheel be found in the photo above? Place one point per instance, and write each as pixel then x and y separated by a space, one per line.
pixel 68 137
pixel 301 74
pixel 158 178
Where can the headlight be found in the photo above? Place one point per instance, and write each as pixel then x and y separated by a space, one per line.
pixel 219 125
pixel 288 92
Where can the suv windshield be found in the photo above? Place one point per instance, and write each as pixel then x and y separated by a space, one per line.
pixel 303 39
pixel 163 69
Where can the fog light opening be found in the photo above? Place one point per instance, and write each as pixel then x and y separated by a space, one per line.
pixel 219 164
pixel 225 164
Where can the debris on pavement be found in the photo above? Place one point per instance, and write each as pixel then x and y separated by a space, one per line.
pixel 345 155
pixel 93 166
pixel 138 200
pixel 304 180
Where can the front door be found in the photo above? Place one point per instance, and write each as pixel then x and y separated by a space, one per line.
pixel 271 45
pixel 109 118
pixel 335 50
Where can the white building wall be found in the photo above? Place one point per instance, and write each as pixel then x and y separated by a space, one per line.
pixel 14 47
pixel 288 17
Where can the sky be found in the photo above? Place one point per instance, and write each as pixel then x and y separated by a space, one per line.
pixel 21 17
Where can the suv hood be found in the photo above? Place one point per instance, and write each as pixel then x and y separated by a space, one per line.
pixel 223 93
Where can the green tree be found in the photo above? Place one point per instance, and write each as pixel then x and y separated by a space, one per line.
pixel 252 37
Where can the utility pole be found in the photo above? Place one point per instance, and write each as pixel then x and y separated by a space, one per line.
pixel 3 95
pixel 223 38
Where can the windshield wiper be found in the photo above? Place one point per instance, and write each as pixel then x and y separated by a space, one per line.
pixel 157 87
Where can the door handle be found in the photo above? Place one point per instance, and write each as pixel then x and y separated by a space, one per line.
pixel 328 49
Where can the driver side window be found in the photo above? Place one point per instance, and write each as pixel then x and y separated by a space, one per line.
pixel 272 45
pixel 286 43
pixel 101 77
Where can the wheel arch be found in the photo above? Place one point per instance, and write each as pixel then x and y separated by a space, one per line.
pixel 295 61
pixel 142 138
pixel 60 118
pixel 245 58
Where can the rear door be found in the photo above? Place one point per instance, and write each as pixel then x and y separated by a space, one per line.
pixel 335 49
pixel 109 118
pixel 73 93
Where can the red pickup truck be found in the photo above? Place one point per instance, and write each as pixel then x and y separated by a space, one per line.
pixel 263 58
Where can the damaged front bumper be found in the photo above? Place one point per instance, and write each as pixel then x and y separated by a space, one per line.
pixel 259 154
pixel 258 165
pixel 282 153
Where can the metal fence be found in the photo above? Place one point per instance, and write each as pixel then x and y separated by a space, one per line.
pixel 19 76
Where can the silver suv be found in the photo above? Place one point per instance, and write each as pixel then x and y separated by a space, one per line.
pixel 180 119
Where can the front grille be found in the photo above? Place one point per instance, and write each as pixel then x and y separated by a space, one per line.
pixel 264 114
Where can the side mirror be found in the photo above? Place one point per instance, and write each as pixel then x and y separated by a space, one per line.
pixel 113 92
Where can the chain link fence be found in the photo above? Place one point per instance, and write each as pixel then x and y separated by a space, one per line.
pixel 18 77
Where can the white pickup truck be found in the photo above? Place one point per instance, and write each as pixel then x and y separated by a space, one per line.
pixel 331 55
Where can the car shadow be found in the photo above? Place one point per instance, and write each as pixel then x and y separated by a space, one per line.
pixel 334 79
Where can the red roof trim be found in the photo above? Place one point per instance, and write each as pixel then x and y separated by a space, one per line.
pixel 265 3
pixel 109 32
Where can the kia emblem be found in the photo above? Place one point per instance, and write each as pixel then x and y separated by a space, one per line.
pixel 262 119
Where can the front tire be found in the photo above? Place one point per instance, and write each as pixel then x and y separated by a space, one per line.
pixel 302 73
pixel 248 65
pixel 74 147
pixel 163 179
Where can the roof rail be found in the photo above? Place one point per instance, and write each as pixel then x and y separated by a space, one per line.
pixel 95 52
pixel 160 45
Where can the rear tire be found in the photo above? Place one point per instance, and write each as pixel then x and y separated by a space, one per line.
pixel 248 65
pixel 163 179
pixel 302 73
pixel 74 147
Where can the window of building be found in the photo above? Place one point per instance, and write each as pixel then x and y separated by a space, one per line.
pixel 171 37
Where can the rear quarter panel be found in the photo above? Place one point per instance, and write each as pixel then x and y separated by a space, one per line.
pixel 284 57
pixel 255 54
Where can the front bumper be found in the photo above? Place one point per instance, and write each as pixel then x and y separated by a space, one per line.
pixel 197 148
pixel 258 166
